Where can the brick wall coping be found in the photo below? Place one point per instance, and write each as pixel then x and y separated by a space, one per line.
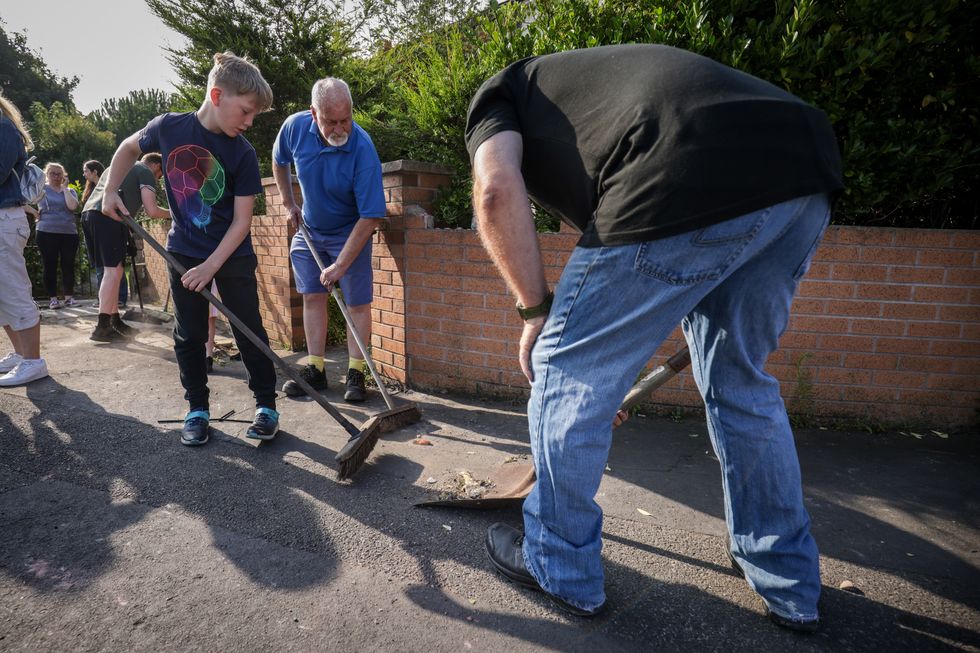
pixel 407 165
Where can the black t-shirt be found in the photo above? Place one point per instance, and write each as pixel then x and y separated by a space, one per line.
pixel 637 142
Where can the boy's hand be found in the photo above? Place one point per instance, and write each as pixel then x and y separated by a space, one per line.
pixel 198 278
pixel 113 207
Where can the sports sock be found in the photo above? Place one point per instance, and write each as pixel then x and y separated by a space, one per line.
pixel 356 364
pixel 315 361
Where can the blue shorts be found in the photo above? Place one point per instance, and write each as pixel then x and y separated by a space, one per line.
pixel 357 284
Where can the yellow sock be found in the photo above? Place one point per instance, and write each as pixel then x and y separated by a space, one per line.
pixel 356 364
pixel 315 361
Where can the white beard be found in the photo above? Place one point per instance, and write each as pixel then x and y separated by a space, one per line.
pixel 337 141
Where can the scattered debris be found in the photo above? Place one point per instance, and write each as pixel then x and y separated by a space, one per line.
pixel 430 480
pixel 422 441
pixel 848 586
pixel 447 527
pixel 463 486
pixel 643 512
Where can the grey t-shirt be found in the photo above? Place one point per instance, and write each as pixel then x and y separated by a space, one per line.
pixel 56 218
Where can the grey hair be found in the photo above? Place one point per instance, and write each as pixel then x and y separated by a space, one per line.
pixel 330 89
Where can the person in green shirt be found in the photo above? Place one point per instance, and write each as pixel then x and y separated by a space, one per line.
pixel 138 188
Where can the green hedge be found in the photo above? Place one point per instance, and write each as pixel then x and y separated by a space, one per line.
pixel 898 79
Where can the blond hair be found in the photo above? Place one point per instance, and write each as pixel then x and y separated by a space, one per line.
pixel 8 110
pixel 239 76
pixel 54 164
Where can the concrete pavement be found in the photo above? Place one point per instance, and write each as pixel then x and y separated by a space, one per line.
pixel 113 536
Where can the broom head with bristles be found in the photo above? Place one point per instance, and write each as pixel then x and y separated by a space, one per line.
pixel 358 448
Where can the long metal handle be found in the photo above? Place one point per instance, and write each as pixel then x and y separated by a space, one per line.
pixel 348 319
pixel 283 366
pixel 656 378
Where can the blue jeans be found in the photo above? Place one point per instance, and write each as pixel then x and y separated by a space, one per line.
pixel 730 285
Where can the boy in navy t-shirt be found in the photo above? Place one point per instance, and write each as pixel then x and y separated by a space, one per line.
pixel 212 176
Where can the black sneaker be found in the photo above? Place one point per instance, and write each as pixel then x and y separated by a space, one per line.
pixel 264 426
pixel 196 428
pixel 355 386
pixel 311 375
pixel 120 326
pixel 105 333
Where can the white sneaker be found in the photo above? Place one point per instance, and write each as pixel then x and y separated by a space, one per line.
pixel 54 303
pixel 29 369
pixel 9 362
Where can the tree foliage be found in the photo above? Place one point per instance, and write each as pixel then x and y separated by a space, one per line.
pixel 64 135
pixel 293 42
pixel 900 81
pixel 126 115
pixel 25 78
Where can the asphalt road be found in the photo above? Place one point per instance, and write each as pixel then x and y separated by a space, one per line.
pixel 114 537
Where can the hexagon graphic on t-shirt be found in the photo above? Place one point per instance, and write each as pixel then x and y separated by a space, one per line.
pixel 197 180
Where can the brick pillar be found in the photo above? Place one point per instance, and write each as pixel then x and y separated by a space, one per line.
pixel 410 188
pixel 279 303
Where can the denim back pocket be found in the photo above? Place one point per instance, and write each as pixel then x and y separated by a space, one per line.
pixel 702 255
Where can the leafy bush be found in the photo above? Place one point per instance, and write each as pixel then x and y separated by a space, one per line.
pixel 898 80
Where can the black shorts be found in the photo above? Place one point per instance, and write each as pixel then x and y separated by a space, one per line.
pixel 108 239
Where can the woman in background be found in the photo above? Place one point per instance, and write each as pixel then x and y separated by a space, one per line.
pixel 92 171
pixel 18 312
pixel 57 234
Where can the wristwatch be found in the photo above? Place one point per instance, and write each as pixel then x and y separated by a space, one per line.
pixel 531 312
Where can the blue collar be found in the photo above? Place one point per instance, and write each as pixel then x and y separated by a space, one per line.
pixel 346 147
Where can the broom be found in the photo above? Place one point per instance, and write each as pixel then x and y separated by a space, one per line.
pixel 353 455
pixel 369 432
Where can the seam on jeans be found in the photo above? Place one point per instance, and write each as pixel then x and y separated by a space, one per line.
pixel 668 276
pixel 578 292
pixel 697 356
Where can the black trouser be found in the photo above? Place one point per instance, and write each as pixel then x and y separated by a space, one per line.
pixel 238 290
pixel 55 249
pixel 93 257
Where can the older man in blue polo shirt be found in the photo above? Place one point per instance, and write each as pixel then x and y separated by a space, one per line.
pixel 343 203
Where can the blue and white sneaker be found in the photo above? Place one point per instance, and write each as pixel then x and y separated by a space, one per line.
pixel 196 428
pixel 264 426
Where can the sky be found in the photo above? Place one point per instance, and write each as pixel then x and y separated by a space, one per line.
pixel 110 56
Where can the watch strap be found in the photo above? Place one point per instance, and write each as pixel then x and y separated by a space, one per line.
pixel 531 312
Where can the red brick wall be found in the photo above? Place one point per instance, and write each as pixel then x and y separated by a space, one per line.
pixel 886 325
pixel 280 305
